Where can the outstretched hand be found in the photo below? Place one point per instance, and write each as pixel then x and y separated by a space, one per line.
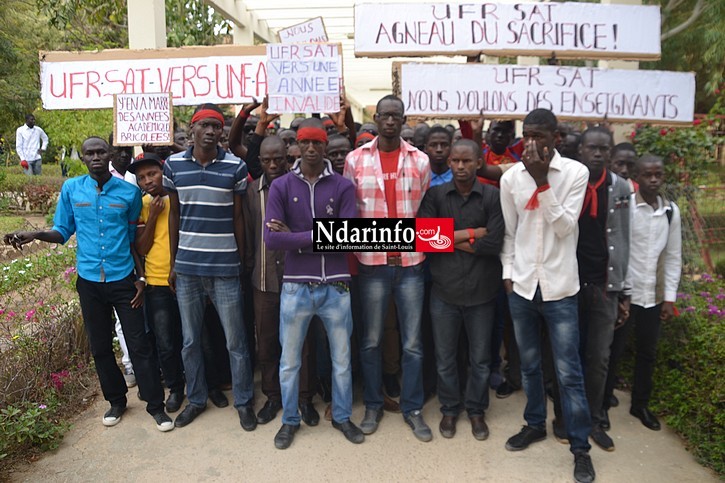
pixel 19 238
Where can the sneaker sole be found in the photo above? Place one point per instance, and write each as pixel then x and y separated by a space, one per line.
pixel 509 447
pixel 111 422
pixel 166 427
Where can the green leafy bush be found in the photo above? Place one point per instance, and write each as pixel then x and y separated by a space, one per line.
pixel 29 424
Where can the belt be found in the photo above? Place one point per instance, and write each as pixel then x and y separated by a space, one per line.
pixel 396 261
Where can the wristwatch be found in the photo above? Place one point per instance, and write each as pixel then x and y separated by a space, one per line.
pixel 142 279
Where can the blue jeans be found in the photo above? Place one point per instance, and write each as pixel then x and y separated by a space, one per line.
pixel 226 295
pixel 406 284
pixel 331 303
pixel 478 321
pixel 162 317
pixel 561 319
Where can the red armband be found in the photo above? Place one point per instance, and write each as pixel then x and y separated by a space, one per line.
pixel 471 236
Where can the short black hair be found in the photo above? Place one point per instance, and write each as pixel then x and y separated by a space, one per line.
pixel 508 125
pixel 542 117
pixel 470 143
pixel 337 137
pixel 209 105
pixel 275 142
pixel 390 97
pixel 647 158
pixel 623 147
pixel 312 122
pixel 94 137
pixel 438 130
pixel 595 130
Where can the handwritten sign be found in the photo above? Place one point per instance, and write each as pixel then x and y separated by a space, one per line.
pixel 312 30
pixel 511 91
pixel 304 78
pixel 88 80
pixel 580 30
pixel 143 119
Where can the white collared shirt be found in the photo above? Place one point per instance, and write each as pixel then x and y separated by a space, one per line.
pixel 28 141
pixel 539 247
pixel 656 246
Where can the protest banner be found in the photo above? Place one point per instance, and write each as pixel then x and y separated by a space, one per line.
pixel 511 91
pixel 568 30
pixel 304 78
pixel 143 119
pixel 223 74
pixel 312 30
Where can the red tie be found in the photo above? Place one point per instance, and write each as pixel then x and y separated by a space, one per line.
pixel 591 199
pixel 534 200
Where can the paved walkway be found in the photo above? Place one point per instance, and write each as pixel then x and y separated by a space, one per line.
pixel 215 448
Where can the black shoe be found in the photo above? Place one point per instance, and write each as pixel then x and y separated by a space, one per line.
pixel 351 432
pixel 613 401
pixel 309 414
pixel 188 415
pixel 371 419
pixel 113 415
pixel 285 435
pixel 560 431
pixel 479 428
pixel 505 389
pixel 602 439
pixel 391 385
pixel 605 424
pixel 173 403
pixel 163 422
pixel 420 429
pixel 247 418
pixel 218 398
pixel 647 418
pixel 447 426
pixel 269 411
pixel 526 436
pixel 583 468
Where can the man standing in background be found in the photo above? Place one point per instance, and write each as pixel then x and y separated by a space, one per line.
pixel 30 143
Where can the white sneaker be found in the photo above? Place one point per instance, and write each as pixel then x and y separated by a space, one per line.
pixel 163 422
pixel 130 377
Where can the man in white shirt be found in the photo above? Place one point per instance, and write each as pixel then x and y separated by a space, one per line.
pixel 655 263
pixel 30 142
pixel 541 199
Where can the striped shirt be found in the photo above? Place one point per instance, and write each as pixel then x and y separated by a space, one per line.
pixel 207 246
pixel 363 168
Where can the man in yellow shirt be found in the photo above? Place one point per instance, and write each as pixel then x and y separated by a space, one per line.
pixel 152 242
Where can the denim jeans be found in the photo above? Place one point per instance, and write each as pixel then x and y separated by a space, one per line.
pixel 162 316
pixel 406 285
pixel 478 321
pixel 561 320
pixel 226 295
pixel 35 167
pixel 298 303
pixel 98 299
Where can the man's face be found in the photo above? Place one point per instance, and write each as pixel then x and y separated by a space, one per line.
pixel 407 134
pixel 650 177
pixel 337 150
pixel 463 164
pixel 390 119
pixel 207 132
pixel 312 151
pixel 96 155
pixel 622 163
pixel 438 148
pixel 293 153
pixel 30 121
pixel 569 147
pixel 180 138
pixel 273 159
pixel 499 136
pixel 542 137
pixel 150 178
pixel 121 158
pixel 594 151
pixel 224 140
pixel 288 136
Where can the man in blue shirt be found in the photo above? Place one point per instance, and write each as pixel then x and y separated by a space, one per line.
pixel 206 236
pixel 103 212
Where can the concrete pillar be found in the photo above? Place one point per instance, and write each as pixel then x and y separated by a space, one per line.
pixel 146 24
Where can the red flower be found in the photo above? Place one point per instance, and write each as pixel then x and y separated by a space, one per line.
pixel 717 92
pixel 633 134
pixel 663 132
pixel 697 122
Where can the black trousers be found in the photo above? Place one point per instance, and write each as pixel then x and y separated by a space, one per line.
pixel 97 301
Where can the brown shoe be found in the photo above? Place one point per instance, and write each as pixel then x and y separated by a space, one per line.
pixel 479 428
pixel 328 412
pixel 448 426
pixel 391 405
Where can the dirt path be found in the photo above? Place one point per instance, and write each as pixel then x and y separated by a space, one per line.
pixel 215 448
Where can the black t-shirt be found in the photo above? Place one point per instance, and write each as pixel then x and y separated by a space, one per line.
pixel 592 251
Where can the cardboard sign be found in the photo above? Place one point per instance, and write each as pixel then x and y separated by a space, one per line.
pixel 304 78
pixel 573 30
pixel 312 30
pixel 143 119
pixel 511 91
pixel 222 74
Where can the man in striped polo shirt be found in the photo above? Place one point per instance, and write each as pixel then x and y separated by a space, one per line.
pixel 206 234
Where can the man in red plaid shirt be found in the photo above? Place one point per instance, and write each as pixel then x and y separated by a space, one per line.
pixel 390 178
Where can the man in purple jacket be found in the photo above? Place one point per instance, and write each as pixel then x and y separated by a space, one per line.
pixel 313 283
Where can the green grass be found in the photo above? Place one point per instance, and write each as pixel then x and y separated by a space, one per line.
pixel 11 223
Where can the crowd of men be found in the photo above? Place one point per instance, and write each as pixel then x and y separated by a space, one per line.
pixel 563 245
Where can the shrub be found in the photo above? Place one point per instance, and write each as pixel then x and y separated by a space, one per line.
pixel 19 192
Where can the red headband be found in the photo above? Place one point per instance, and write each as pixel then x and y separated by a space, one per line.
pixel 311 134
pixel 366 136
pixel 206 113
